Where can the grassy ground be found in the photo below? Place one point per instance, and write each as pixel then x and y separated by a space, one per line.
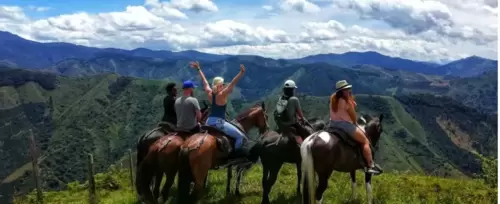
pixel 114 187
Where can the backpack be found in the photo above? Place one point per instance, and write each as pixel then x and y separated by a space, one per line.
pixel 280 115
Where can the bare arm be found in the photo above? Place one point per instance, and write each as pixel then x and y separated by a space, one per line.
pixel 206 87
pixel 228 89
pixel 299 109
pixel 349 108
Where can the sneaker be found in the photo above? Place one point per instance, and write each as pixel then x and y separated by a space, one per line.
pixel 373 170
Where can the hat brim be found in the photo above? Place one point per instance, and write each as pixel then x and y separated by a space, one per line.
pixel 344 87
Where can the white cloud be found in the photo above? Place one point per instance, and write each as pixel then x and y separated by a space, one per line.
pixel 195 5
pixel 303 6
pixel 12 14
pixel 229 32
pixel 39 8
pixel 267 7
pixel 432 30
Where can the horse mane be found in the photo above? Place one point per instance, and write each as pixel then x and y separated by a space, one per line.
pixel 248 111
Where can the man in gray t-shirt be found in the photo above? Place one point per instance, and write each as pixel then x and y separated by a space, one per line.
pixel 188 109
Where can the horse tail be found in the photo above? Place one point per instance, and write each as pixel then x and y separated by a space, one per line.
pixel 308 172
pixel 185 176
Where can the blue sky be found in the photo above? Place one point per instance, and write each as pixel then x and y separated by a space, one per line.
pixel 433 30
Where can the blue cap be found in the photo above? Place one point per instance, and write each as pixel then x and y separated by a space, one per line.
pixel 188 84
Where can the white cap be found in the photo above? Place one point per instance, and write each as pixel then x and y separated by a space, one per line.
pixel 289 84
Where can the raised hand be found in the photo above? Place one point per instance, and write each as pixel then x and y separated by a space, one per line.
pixel 242 68
pixel 195 65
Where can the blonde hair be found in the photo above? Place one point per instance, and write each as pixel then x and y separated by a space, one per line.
pixel 216 81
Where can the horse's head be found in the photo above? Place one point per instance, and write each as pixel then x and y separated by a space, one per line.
pixel 373 128
pixel 255 116
pixel 317 124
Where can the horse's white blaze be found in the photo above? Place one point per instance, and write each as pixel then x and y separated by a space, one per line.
pixel 308 167
pixel 369 197
pixel 325 136
pixel 320 201
pixel 363 119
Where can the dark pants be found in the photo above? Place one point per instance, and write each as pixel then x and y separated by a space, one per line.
pixel 196 129
pixel 300 130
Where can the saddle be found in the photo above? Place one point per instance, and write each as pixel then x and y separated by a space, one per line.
pixel 181 133
pixel 225 144
pixel 291 133
pixel 347 139
pixel 343 136
pixel 166 127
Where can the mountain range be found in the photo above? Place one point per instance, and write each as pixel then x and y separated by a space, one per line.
pixel 19 52
pixel 80 99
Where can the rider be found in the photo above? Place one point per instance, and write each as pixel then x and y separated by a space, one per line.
pixel 218 95
pixel 169 116
pixel 343 116
pixel 288 110
pixel 188 109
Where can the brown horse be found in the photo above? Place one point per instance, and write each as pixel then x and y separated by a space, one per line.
pixel 323 152
pixel 209 150
pixel 157 160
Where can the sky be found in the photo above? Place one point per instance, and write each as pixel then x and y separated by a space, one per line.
pixel 430 30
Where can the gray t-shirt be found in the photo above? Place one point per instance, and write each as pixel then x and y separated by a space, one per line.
pixel 292 105
pixel 186 108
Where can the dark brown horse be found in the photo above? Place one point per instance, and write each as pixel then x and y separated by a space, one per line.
pixel 208 150
pixel 324 152
pixel 276 149
pixel 155 161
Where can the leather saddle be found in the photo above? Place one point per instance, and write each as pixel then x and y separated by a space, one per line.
pixel 225 144
pixel 343 136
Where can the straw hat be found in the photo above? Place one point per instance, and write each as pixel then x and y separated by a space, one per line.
pixel 341 85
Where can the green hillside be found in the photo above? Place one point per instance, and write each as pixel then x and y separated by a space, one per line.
pixel 105 114
pixel 113 187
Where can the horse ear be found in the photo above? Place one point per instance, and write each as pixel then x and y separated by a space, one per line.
pixel 381 117
pixel 367 117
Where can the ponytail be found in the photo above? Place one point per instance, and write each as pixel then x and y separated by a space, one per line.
pixel 333 102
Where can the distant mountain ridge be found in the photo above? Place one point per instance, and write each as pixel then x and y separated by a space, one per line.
pixel 19 52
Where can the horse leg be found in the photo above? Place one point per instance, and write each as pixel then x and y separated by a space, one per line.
pixel 157 184
pixel 229 177
pixel 170 178
pixel 299 176
pixel 239 174
pixel 271 180
pixel 265 176
pixel 206 182
pixel 322 184
pixel 368 185
pixel 353 184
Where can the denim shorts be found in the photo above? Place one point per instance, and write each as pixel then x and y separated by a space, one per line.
pixel 348 127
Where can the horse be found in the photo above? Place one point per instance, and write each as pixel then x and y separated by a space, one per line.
pixel 276 149
pixel 323 152
pixel 211 149
pixel 151 149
